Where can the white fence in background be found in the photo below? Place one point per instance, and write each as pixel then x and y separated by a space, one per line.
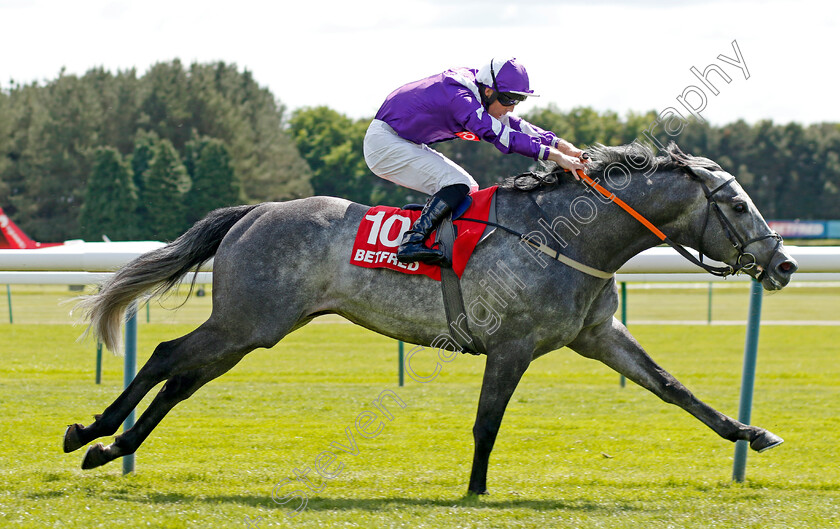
pixel 84 265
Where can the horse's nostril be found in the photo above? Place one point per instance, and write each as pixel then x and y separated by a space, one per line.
pixel 787 267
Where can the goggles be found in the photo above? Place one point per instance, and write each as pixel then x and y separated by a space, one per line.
pixel 508 99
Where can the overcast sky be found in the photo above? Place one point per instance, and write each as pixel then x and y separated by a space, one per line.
pixel 610 55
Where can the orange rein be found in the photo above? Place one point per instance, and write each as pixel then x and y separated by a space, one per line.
pixel 611 196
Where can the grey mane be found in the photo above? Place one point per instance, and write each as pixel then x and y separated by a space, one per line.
pixel 634 157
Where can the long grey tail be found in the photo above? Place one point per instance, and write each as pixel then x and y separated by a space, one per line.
pixel 156 272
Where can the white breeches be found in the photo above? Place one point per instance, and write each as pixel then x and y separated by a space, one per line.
pixel 408 164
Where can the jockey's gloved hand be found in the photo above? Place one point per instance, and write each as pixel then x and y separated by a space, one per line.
pixel 568 149
pixel 566 162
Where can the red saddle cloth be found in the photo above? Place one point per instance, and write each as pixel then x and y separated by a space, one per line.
pixel 382 228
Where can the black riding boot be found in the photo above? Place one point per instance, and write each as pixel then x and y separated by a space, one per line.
pixel 412 249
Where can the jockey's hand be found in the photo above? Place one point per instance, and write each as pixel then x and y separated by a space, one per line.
pixel 570 150
pixel 567 162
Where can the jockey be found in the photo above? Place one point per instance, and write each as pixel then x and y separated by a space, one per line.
pixel 461 102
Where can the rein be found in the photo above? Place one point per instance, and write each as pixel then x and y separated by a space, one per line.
pixel 735 239
pixel 731 233
pixel 714 270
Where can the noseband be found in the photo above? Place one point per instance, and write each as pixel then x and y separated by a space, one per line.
pixel 746 261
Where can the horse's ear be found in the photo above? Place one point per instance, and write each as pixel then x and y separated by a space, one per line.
pixel 699 173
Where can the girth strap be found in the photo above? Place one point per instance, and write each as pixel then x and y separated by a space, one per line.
pixel 453 299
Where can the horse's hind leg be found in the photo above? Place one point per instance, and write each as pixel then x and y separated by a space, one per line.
pixel 612 344
pixel 188 363
pixel 155 370
pixel 203 346
pixel 176 389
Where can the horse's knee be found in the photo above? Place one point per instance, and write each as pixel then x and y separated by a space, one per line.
pixel 483 432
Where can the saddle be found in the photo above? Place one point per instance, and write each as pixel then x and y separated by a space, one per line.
pixel 381 230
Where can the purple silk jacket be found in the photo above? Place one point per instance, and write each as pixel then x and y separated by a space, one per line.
pixel 448 105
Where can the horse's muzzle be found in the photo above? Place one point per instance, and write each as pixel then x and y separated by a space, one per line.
pixel 781 268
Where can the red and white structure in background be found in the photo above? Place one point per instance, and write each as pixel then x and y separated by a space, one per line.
pixel 13 238
pixel 68 262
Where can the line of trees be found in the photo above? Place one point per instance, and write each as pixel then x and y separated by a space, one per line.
pixel 144 157
pixel 162 141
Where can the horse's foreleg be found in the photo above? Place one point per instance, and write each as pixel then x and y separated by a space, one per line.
pixel 612 344
pixel 502 373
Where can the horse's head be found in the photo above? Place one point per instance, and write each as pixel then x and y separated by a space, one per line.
pixel 704 208
pixel 730 229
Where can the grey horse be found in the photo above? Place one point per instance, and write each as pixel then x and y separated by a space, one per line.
pixel 279 265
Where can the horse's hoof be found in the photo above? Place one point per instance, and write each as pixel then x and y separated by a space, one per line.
pixel 94 457
pixel 71 438
pixel 475 493
pixel 766 441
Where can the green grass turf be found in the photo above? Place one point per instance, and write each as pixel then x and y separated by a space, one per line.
pixel 730 302
pixel 575 449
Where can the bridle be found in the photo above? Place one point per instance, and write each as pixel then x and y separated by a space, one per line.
pixel 746 261
pixel 731 233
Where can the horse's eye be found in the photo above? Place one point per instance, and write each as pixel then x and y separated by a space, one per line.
pixel 740 207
